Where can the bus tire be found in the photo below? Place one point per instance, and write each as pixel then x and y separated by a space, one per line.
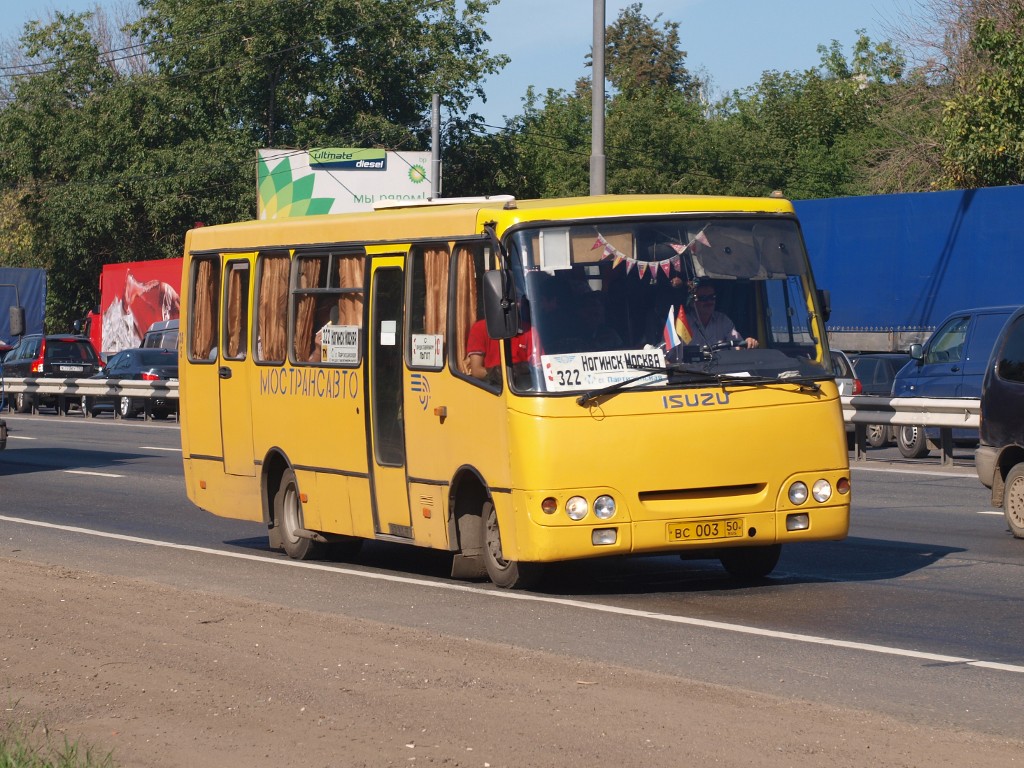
pixel 288 519
pixel 507 574
pixel 750 563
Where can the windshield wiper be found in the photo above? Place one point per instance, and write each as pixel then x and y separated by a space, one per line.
pixel 699 373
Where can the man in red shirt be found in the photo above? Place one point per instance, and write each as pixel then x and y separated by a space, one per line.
pixel 485 353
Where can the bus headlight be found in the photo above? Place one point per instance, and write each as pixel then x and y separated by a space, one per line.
pixel 576 508
pixel 604 507
pixel 822 491
pixel 798 492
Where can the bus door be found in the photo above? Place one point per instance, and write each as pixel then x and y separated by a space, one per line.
pixel 385 387
pixel 233 371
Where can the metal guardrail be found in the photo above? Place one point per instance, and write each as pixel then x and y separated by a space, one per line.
pixel 74 389
pixel 946 413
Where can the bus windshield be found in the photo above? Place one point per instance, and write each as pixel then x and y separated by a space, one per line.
pixel 663 302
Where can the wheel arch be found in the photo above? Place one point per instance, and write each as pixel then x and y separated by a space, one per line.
pixel 1009 457
pixel 275 462
pixel 466 497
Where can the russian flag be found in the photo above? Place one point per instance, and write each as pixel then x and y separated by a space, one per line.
pixel 671 335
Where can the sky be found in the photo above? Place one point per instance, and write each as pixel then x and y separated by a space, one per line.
pixel 729 42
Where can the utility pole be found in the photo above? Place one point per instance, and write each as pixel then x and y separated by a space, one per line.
pixel 597 162
pixel 435 147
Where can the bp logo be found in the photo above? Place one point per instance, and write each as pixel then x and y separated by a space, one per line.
pixel 417 174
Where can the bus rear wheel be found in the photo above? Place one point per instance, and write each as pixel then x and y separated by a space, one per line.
pixel 508 574
pixel 288 517
pixel 751 562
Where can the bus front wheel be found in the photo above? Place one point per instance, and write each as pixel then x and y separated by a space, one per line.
pixel 288 517
pixel 508 574
pixel 751 562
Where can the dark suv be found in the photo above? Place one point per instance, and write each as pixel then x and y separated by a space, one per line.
pixel 55 356
pixel 999 459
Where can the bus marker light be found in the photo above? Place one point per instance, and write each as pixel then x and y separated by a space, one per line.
pixel 602 537
pixel 303 498
pixel 202 484
pixel 798 522
pixel 426 512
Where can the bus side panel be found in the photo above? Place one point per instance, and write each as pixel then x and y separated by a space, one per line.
pixel 234 496
pixel 451 423
pixel 314 416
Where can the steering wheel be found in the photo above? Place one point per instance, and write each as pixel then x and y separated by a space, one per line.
pixel 730 344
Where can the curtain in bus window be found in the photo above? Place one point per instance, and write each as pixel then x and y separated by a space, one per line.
pixel 204 310
pixel 305 314
pixel 235 325
pixel 272 305
pixel 465 304
pixel 435 267
pixel 350 305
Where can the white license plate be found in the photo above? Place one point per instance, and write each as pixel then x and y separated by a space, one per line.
pixel 702 530
pixel 71 368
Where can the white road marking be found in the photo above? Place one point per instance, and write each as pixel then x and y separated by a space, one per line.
pixel 507 595
pixel 20 437
pixel 91 474
pixel 990 512
pixel 158 448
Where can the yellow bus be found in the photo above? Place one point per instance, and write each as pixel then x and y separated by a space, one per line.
pixel 516 382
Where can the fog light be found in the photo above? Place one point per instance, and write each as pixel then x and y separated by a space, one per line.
pixel 604 507
pixel 822 491
pixel 549 506
pixel 602 537
pixel 843 485
pixel 798 492
pixel 576 508
pixel 798 522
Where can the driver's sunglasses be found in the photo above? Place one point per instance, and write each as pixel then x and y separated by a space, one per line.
pixel 706 297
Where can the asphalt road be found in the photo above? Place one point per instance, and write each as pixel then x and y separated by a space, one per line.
pixel 916 614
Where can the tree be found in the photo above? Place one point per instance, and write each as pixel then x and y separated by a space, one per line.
pixel 983 123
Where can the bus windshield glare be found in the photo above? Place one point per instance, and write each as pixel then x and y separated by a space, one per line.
pixel 679 299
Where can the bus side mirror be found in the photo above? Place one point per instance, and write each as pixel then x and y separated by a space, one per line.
pixel 500 308
pixel 825 303
pixel 17 321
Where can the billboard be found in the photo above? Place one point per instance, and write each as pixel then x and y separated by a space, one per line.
pixel 291 182
pixel 133 296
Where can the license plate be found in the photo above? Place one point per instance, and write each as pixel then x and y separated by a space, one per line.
pixel 702 530
pixel 71 368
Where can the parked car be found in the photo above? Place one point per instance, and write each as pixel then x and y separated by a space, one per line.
pixel 951 364
pixel 876 373
pixel 162 334
pixel 137 364
pixel 52 356
pixel 846 379
pixel 999 458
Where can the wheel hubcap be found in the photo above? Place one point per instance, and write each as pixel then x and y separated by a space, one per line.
pixel 494 540
pixel 1015 502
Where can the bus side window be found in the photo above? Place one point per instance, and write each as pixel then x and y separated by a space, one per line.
pixel 271 307
pixel 428 298
pixel 203 317
pixel 468 308
pixel 327 290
